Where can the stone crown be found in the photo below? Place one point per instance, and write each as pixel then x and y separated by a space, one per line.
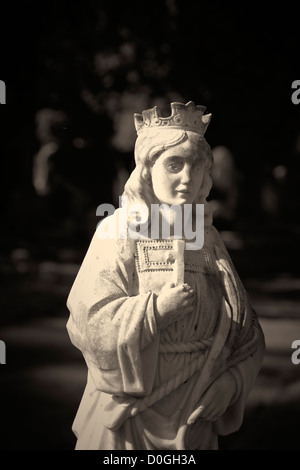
pixel 183 116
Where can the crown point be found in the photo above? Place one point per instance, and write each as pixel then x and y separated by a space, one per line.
pixel 206 118
pixel 183 116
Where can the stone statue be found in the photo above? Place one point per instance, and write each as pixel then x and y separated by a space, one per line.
pixel 171 342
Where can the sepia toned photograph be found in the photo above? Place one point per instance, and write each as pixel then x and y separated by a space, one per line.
pixel 150 282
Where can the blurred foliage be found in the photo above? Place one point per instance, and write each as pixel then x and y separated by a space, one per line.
pixel 77 71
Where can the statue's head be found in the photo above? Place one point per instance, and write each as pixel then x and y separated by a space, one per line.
pixel 173 159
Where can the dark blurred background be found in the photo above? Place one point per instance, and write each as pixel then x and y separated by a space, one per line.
pixel 75 73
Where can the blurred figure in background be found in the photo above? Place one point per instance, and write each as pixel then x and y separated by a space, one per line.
pixel 225 195
pixel 57 176
pixel 47 123
pixel 225 185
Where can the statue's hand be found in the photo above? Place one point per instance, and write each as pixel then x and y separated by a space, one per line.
pixel 216 399
pixel 173 302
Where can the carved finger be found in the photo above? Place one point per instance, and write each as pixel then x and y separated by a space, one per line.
pixel 195 415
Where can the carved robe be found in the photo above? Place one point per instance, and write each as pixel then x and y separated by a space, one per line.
pixel 144 382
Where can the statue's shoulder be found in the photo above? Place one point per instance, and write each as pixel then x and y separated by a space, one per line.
pixel 111 241
pixel 214 242
pixel 212 236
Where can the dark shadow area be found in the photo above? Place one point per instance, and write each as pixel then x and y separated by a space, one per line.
pixel 257 434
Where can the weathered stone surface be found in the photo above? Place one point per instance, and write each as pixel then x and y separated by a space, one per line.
pixel 171 342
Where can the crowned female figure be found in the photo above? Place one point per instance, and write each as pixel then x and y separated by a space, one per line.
pixel 171 342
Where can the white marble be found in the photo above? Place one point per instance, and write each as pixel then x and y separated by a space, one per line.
pixel 171 342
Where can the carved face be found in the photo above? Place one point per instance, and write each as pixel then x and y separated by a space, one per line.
pixel 178 173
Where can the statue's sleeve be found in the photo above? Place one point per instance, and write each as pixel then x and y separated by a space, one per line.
pixel 248 348
pixel 114 329
pixel 245 374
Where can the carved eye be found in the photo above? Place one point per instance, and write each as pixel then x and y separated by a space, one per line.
pixel 175 167
pixel 174 164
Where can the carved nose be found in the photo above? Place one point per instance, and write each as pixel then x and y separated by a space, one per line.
pixel 186 175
